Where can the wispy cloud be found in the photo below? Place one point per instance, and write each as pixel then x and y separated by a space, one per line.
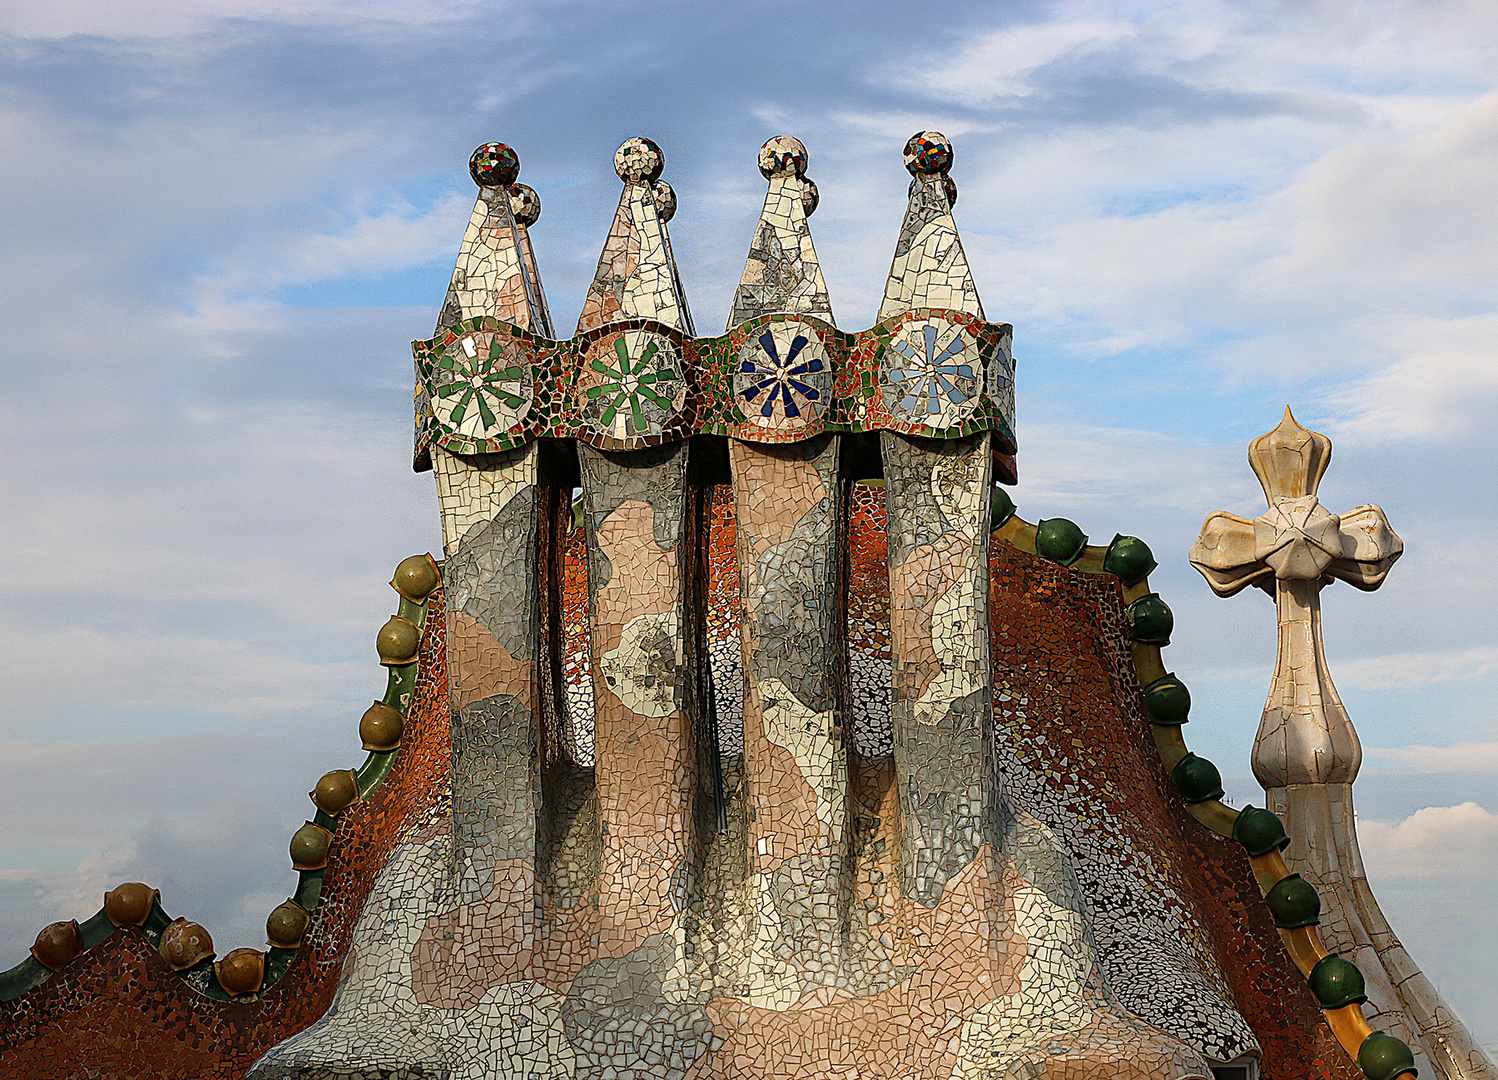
pixel 1433 872
pixel 368 244
pixel 1460 757
pixel 1442 386
pixel 203 817
pixel 1001 64
pixel 1412 670
pixel 173 18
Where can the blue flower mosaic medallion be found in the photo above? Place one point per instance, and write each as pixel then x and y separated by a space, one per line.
pixel 480 384
pixel 631 384
pixel 931 373
pixel 1001 380
pixel 784 377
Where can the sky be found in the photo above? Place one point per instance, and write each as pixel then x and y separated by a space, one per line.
pixel 225 221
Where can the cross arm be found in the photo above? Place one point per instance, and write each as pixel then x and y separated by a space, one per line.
pixel 1226 554
pixel 1295 539
pixel 1369 548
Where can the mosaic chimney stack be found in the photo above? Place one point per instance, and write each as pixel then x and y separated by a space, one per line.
pixel 456 910
pixel 788 503
pixel 642 939
pixel 758 737
pixel 640 527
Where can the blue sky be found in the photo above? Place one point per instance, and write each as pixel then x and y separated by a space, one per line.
pixel 225 221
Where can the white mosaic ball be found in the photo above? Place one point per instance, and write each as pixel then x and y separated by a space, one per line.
pixel 639 161
pixel 525 204
pixel 784 155
pixel 809 196
pixel 665 201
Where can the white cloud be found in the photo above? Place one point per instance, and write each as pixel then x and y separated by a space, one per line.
pixel 122 669
pixel 1292 272
pixel 1442 386
pixel 1412 670
pixel 1461 757
pixel 168 525
pixel 1117 469
pixel 1438 843
pixel 1413 208
pixel 170 18
pixel 1433 874
pixel 205 818
pixel 998 63
pixel 372 243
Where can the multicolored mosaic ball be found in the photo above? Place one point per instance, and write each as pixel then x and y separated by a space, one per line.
pixel 525 204
pixel 784 155
pixel 928 153
pixel 665 201
pixel 639 161
pixel 494 165
pixel 809 196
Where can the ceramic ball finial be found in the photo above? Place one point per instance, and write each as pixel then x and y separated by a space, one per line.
pixel 494 165
pixel 810 197
pixel 783 155
pixel 665 201
pixel 928 153
pixel 639 161
pixel 525 204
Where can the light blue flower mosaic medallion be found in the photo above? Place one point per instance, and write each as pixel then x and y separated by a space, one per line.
pixel 1001 380
pixel 930 373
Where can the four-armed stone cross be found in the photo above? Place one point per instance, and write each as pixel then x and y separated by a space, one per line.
pixel 1292 550
pixel 1306 754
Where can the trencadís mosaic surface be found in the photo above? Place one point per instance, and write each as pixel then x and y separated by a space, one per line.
pixel 762 739
pixel 776 379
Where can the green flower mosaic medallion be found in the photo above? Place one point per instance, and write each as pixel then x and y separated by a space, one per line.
pixel 631 384
pixel 481 384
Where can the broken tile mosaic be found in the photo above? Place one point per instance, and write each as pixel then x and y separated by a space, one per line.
pixel 745 740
